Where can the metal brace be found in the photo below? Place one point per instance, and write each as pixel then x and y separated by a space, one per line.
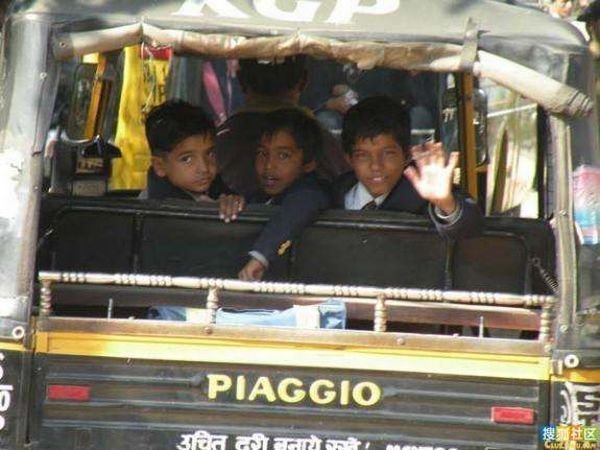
pixel 469 50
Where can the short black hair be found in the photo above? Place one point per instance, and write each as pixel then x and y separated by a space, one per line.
pixel 305 130
pixel 272 78
pixel 591 12
pixel 374 116
pixel 173 121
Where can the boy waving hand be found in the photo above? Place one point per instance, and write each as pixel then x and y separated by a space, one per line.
pixel 390 175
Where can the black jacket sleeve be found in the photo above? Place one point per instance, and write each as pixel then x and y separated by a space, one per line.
pixel 468 223
pixel 299 207
pixel 404 198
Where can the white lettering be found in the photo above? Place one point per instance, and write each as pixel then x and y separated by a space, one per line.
pixel 345 10
pixel 5 395
pixel 304 11
pixel 222 8
pixel 202 440
pixel 5 400
pixel 283 443
pixel 257 441
pixel 342 444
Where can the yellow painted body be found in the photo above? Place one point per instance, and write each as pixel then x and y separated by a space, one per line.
pixel 169 348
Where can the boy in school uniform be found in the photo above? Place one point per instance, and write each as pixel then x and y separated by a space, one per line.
pixel 182 142
pixel 390 175
pixel 267 87
pixel 285 164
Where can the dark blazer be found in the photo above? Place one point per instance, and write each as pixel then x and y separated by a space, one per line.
pixel 159 188
pixel 405 198
pixel 300 204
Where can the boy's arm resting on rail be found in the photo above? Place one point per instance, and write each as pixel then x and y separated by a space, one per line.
pixel 300 206
pixel 230 206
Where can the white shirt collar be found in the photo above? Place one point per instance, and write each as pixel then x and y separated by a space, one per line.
pixel 358 196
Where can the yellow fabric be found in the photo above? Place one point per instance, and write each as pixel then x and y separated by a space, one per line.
pixel 143 87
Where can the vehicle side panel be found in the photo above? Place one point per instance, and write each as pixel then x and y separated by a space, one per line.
pixel 136 403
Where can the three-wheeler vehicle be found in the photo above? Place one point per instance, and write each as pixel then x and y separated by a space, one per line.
pixel 491 342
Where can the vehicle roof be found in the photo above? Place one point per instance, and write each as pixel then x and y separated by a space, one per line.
pixel 440 35
pixel 500 24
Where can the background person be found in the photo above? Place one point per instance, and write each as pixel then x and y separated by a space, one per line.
pixel 268 87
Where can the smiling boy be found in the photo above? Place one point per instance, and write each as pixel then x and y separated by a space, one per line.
pixel 390 175
pixel 182 142
pixel 285 164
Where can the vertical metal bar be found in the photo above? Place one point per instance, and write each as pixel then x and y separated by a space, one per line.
pixel 109 311
pixel 92 122
pixel 545 323
pixel 45 299
pixel 137 242
pixel 212 304
pixel 28 93
pixel 540 170
pixel 468 165
pixel 380 319
pixel 450 246
pixel 567 269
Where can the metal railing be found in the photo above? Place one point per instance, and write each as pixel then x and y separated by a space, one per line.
pixel 380 295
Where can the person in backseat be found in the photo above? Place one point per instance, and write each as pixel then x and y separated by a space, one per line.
pixel 182 142
pixel 389 174
pixel 268 86
pixel 285 163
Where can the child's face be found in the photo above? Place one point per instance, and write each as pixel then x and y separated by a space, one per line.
pixel 191 165
pixel 378 163
pixel 279 162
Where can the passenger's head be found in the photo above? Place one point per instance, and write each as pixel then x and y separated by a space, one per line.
pixel 376 139
pixel 591 16
pixel 561 9
pixel 290 144
pixel 182 138
pixel 272 78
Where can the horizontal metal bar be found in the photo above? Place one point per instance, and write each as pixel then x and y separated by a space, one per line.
pixel 406 312
pixel 323 290
pixel 337 339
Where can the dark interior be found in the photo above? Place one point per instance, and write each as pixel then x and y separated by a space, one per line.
pixel 342 247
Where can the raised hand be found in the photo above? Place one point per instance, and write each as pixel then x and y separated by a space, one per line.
pixel 432 175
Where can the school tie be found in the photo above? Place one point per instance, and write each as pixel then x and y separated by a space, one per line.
pixel 371 206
